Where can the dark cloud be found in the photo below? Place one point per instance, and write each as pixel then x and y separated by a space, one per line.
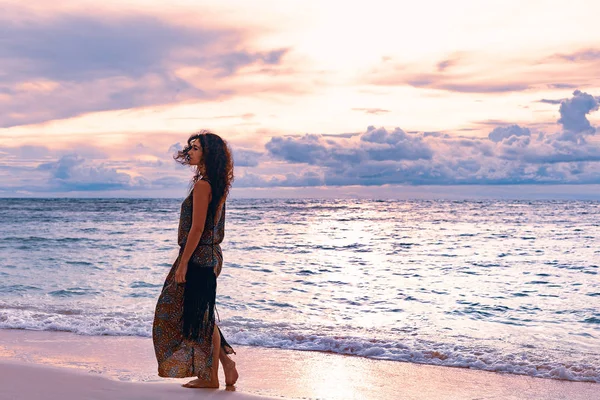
pixel 480 87
pixel 27 152
pixel 246 158
pixel 340 135
pixel 70 64
pixel 394 145
pixel 375 144
pixel 78 48
pixel 435 134
pixel 514 78
pixel 72 173
pixel 573 112
pixel 562 86
pixel 442 65
pixel 306 149
pixel 511 154
pixel 230 63
pixel 460 84
pixel 66 100
pixel 492 122
pixel 442 80
pixel 502 132
pixel 582 55
pixel 248 180
pixel 169 182
pixel 39 153
pixel 550 101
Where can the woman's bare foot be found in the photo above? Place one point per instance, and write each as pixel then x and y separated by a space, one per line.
pixel 202 384
pixel 231 374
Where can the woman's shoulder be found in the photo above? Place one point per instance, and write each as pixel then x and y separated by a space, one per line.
pixel 202 183
pixel 202 187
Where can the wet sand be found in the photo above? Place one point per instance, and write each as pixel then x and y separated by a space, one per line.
pixel 57 365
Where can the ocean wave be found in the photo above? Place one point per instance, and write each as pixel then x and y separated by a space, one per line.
pixel 76 321
pixel 418 351
pixel 466 273
pixel 77 291
pixel 17 288
pixel 282 335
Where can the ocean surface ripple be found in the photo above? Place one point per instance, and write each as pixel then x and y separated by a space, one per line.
pixel 506 286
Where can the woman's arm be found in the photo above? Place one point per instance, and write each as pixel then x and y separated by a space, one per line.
pixel 201 200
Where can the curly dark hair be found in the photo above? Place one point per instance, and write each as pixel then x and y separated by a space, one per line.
pixel 218 164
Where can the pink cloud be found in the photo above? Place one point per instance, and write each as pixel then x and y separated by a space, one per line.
pixel 68 64
pixel 473 73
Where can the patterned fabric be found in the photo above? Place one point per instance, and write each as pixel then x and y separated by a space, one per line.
pixel 208 252
pixel 179 357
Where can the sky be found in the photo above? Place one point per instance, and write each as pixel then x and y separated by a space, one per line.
pixel 316 98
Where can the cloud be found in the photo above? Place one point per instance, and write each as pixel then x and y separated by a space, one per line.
pixel 466 74
pixel 169 182
pixel 375 111
pixel 461 84
pixel 443 65
pixel 582 55
pixel 375 144
pixel 435 134
pixel 79 48
pixel 302 179
pixel 511 154
pixel 480 73
pixel 174 148
pixel 546 149
pixel 562 86
pixel 550 101
pixel 136 168
pixel 69 64
pixel 308 149
pixel 27 152
pixel 72 173
pixel 229 63
pixel 502 132
pixel 246 158
pixel 573 112
pixel 394 145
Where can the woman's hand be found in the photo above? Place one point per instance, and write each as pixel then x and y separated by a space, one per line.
pixel 180 272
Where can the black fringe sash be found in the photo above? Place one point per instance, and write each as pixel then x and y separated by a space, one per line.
pixel 199 299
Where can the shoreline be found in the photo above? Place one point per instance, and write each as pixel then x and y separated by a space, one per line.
pixel 65 383
pixel 122 363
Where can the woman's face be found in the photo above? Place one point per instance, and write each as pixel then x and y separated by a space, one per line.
pixel 195 153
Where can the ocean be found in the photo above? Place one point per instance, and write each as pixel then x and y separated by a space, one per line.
pixel 506 286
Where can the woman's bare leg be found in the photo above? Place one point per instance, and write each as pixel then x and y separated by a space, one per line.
pixel 215 356
pixel 214 372
pixel 231 374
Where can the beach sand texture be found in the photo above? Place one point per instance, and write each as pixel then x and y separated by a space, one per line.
pixel 59 365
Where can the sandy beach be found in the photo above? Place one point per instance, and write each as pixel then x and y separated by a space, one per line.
pixel 62 383
pixel 64 365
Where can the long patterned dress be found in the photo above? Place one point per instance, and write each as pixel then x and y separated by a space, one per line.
pixel 178 356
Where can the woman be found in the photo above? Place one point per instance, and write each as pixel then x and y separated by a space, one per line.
pixel 187 340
